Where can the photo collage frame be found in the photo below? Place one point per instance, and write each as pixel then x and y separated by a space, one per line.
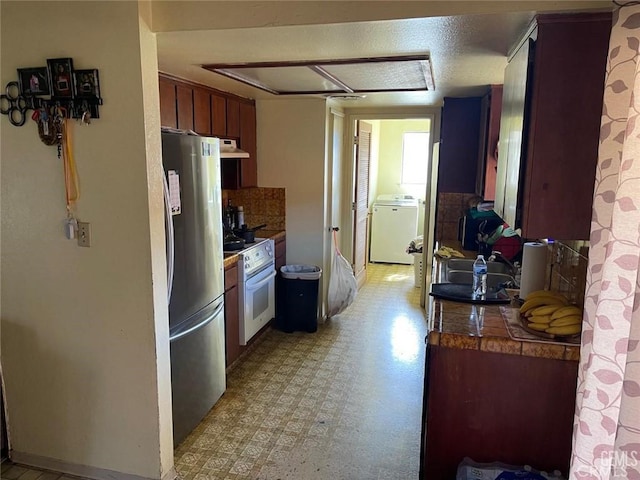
pixel 78 91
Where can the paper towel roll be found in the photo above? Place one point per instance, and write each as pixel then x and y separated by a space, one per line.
pixel 534 268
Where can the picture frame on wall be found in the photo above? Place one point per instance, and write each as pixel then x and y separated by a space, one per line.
pixel 34 81
pixel 60 76
pixel 87 83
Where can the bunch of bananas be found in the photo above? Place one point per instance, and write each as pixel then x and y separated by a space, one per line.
pixel 550 312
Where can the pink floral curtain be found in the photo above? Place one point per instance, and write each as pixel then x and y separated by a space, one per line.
pixel 607 422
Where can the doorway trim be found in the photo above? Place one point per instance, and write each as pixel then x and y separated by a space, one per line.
pixel 348 185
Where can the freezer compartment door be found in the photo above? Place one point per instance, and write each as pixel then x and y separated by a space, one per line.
pixel 198 377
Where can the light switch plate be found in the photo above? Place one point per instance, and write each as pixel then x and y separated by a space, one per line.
pixel 84 234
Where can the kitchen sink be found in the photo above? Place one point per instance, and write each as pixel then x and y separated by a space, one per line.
pixel 466 264
pixel 493 278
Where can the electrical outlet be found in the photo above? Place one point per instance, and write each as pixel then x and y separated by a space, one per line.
pixel 84 234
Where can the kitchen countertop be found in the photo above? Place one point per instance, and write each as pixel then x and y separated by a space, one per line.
pixel 483 327
pixel 275 235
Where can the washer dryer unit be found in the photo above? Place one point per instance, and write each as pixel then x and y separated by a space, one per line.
pixel 393 226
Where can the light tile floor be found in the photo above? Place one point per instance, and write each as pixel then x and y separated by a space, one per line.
pixel 342 403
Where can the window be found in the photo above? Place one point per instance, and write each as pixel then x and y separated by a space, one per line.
pixel 415 157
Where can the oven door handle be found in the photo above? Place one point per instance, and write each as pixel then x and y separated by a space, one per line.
pixel 255 286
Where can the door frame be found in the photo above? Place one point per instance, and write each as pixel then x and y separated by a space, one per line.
pixel 348 186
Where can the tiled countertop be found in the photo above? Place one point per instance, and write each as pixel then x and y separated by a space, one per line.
pixel 273 234
pixel 483 327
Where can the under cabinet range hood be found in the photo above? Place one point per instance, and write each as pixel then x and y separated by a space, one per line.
pixel 229 149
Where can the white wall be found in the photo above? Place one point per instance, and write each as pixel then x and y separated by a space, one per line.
pixel 390 161
pixel 291 146
pixel 85 348
pixel 390 156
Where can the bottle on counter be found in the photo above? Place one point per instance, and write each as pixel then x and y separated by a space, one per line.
pixel 240 216
pixel 229 216
pixel 479 277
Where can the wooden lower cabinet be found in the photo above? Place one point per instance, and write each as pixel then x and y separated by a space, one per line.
pixel 496 407
pixel 281 252
pixel 231 315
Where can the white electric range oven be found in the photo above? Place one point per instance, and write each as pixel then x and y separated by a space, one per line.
pixel 256 287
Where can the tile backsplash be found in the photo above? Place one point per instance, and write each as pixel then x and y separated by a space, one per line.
pixel 567 265
pixel 451 207
pixel 261 205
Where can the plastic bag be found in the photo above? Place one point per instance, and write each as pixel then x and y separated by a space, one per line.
pixel 342 283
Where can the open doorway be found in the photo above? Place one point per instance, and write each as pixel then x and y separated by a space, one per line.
pixel 384 174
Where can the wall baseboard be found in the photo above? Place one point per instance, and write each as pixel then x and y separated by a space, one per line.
pixel 96 473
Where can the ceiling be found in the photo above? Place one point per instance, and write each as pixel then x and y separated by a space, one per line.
pixel 467 52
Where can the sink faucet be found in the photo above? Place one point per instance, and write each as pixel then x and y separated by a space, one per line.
pixel 497 256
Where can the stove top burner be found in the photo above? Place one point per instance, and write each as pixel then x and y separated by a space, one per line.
pixel 257 241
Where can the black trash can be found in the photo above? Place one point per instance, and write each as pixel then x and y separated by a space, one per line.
pixel 297 302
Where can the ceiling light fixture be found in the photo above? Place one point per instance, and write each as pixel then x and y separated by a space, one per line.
pixel 347 97
pixel 334 77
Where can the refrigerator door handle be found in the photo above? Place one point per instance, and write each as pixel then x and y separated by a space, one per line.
pixel 200 323
pixel 170 237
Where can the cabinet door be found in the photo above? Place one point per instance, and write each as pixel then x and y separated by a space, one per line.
pixel 231 325
pixel 233 118
pixel 493 135
pixel 248 142
pixel 218 115
pixel 459 145
pixel 201 112
pixel 512 124
pixel 281 253
pixel 185 107
pixel 564 129
pixel 168 112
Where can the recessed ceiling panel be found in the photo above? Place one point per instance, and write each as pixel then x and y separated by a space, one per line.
pixel 382 76
pixel 282 79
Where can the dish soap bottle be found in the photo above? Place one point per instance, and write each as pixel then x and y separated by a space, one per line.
pixel 479 277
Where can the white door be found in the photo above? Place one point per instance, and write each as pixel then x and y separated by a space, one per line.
pixel 361 202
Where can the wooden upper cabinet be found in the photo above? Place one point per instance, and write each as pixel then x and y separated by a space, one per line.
pixel 488 165
pixel 233 118
pixel 218 115
pixel 207 111
pixel 201 111
pixel 564 125
pixel 248 142
pixel 168 112
pixel 459 144
pixel 185 107
pixel 549 143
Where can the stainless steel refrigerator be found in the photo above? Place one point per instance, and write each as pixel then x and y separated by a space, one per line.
pixel 196 276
